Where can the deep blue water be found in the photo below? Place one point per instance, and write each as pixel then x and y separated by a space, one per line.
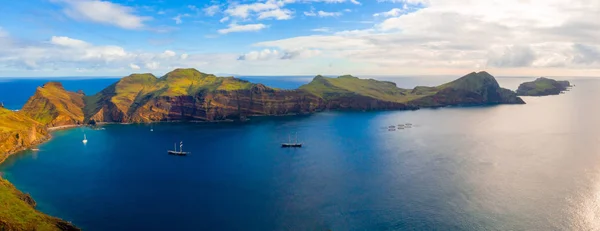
pixel 508 167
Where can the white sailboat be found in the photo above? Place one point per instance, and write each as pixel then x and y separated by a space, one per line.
pixel 289 144
pixel 84 139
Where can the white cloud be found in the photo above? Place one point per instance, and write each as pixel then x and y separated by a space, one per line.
pixel 178 18
pixel 310 13
pixel 322 29
pixel 169 53
pixel 134 67
pixel 328 14
pixel 464 35
pixel 322 14
pixel 3 33
pixel 103 12
pixel 242 28
pixel 224 19
pixel 279 14
pixel 68 42
pixel 153 65
pixel 184 56
pixel 391 13
pixel 412 2
pixel 243 11
pixel 212 10
pixel 272 54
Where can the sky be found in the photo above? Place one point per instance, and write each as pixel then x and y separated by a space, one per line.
pixel 300 37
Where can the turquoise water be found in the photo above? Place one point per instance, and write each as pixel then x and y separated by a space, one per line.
pixel 508 167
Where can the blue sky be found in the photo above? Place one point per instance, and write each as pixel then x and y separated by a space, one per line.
pixel 299 37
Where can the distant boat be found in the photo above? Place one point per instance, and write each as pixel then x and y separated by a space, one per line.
pixel 180 152
pixel 35 149
pixel 289 144
pixel 84 139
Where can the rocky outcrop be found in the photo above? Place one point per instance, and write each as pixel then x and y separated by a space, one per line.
pixel 19 132
pixel 54 106
pixel 542 87
pixel 473 89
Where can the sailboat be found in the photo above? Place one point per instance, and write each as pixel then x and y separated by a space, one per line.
pixel 84 139
pixel 180 152
pixel 289 144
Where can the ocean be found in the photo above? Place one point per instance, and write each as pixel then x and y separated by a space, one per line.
pixel 508 167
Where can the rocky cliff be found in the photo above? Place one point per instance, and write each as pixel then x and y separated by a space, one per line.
pixel 187 94
pixel 18 132
pixel 17 210
pixel 476 88
pixel 542 87
pixel 54 106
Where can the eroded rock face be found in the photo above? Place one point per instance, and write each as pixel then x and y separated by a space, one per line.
pixel 19 132
pixel 187 94
pixel 54 106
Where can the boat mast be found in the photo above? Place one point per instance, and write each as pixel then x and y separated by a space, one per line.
pixel 296 138
pixel 181 146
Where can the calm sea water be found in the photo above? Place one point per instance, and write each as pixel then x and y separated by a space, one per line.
pixel 508 167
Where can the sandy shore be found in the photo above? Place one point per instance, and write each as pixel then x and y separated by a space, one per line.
pixel 63 127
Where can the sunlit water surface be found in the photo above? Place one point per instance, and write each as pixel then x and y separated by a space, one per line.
pixel 508 167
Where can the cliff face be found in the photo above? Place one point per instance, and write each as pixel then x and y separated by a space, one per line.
pixel 187 94
pixel 542 87
pixel 18 132
pixel 53 106
pixel 17 210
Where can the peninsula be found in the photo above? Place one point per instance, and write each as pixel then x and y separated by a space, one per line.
pixel 542 87
pixel 190 95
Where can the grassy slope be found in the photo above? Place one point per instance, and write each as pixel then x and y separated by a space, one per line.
pixel 16 214
pixel 135 90
pixel 542 86
pixel 53 104
pixel 328 88
pixel 19 131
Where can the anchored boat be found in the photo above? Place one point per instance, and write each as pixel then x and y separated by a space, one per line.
pixel 180 152
pixel 291 144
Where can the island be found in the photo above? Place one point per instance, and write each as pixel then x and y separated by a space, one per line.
pixel 190 95
pixel 543 87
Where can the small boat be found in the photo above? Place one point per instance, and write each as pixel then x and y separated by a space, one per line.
pixel 84 139
pixel 392 129
pixel 408 124
pixel 180 152
pixel 289 144
pixel 392 126
pixel 35 149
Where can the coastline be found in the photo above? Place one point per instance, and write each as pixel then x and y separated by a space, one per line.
pixel 58 223
pixel 63 127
